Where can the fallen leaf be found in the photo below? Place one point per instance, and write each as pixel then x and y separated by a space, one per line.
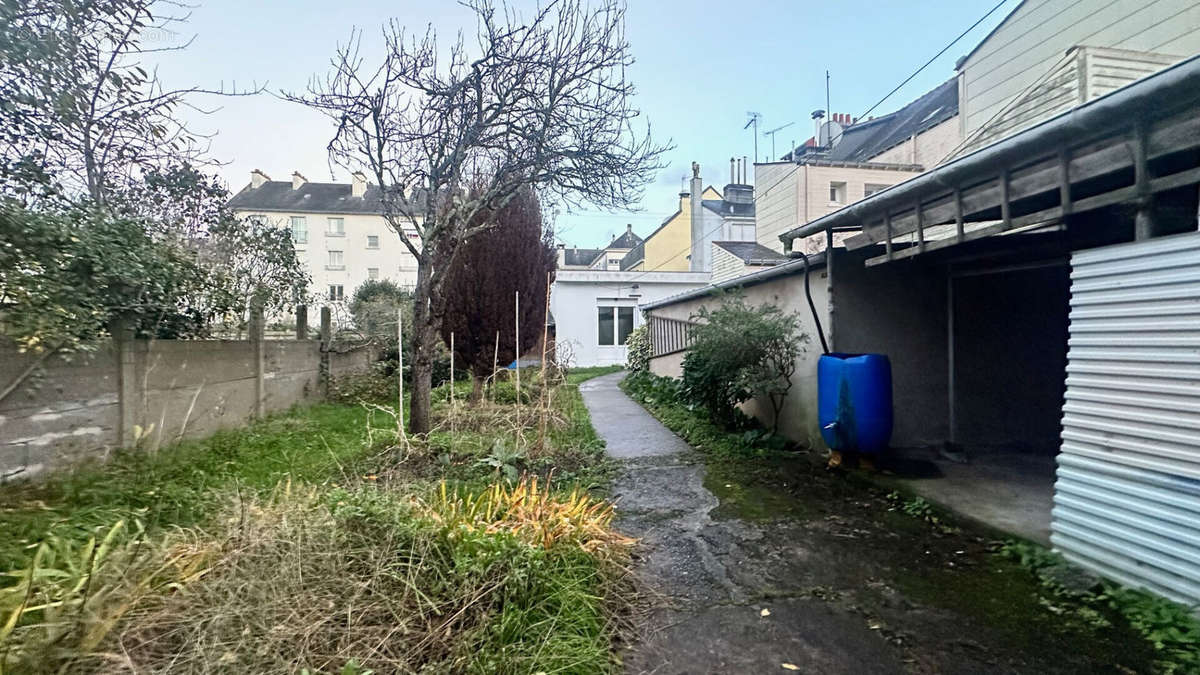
pixel 790 666
pixel 765 612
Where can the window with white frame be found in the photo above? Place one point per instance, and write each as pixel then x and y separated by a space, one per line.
pixel 372 273
pixel 837 192
pixel 299 230
pixel 336 293
pixel 336 261
pixel 337 227
pixel 372 241
pixel 614 324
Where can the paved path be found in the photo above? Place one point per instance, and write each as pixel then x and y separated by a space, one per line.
pixel 714 575
pixel 761 564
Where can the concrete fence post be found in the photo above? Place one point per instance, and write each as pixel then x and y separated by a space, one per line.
pixel 257 330
pixel 301 322
pixel 128 395
pixel 326 345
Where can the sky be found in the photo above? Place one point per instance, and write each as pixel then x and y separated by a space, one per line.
pixel 701 67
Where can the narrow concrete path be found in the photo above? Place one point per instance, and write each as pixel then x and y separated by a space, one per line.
pixel 716 577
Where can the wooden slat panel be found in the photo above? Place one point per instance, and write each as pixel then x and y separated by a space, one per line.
pixel 1086 161
pixel 1191 176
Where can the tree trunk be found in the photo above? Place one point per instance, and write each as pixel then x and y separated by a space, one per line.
pixel 476 389
pixel 423 337
pixel 422 378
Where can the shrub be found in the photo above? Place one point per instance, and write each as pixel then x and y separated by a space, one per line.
pixel 639 349
pixel 739 352
pixel 374 306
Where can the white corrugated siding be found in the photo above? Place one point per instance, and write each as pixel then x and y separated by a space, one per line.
pixel 1127 499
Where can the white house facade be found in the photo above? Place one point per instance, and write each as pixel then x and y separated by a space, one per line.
pixel 338 229
pixel 594 311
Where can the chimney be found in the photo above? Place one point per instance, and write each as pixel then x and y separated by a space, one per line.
pixel 696 261
pixel 733 177
pixel 358 184
pixel 297 180
pixel 257 178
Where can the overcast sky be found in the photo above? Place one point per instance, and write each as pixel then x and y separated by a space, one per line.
pixel 701 66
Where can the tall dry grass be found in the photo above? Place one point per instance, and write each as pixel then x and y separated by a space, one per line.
pixel 513 579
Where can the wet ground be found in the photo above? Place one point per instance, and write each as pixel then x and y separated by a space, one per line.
pixel 778 566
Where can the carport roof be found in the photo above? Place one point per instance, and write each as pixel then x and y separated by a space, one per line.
pixel 1041 174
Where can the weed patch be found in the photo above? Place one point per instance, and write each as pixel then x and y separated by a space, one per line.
pixel 664 398
pixel 1171 628
pixel 301 544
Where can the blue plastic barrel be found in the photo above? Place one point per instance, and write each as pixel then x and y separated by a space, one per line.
pixel 854 401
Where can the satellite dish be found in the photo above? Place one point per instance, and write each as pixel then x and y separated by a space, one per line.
pixel 829 130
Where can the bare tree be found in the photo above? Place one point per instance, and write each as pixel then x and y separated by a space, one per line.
pixel 538 100
pixel 81 110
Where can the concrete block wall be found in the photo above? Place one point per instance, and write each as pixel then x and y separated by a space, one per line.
pixel 69 408
pixel 87 405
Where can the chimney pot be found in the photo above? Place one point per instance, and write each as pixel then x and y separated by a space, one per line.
pixel 298 179
pixel 629 227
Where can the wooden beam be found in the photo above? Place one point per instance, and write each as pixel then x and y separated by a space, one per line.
pixel 982 233
pixel 1137 142
pixel 1005 208
pixel 1088 159
pixel 1091 203
pixel 887 224
pixel 920 226
pixel 958 214
pixel 1064 180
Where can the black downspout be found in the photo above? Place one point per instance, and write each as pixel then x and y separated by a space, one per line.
pixel 811 305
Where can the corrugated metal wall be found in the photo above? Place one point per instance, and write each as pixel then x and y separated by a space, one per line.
pixel 1127 499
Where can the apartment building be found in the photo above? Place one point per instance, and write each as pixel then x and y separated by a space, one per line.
pixel 338 229
pixel 848 160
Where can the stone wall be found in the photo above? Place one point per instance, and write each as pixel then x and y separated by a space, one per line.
pixel 153 393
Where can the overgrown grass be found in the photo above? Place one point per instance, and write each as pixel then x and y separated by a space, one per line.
pixel 180 485
pixel 297 544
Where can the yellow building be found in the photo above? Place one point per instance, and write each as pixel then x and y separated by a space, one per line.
pixel 668 249
pixel 683 243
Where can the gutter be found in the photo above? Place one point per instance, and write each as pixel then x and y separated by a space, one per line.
pixel 787 268
pixel 1168 90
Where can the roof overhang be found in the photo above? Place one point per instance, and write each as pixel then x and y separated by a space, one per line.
pixel 1122 147
pixel 785 268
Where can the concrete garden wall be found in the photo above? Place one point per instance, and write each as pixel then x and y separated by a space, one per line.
pixel 153 392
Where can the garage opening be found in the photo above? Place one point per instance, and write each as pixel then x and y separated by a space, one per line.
pixel 1007 334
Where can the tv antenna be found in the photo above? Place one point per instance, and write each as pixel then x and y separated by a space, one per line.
pixel 755 119
pixel 772 133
